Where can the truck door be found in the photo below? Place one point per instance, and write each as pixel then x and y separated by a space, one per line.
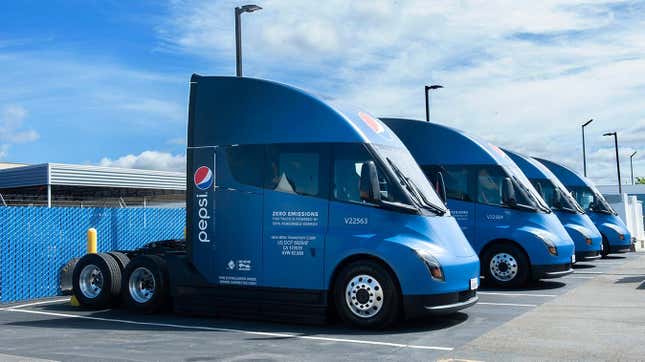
pixel 238 260
pixel 459 192
pixel 295 215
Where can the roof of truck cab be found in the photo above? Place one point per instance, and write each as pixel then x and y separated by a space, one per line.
pixel 565 174
pixel 531 167
pixel 241 110
pixel 432 143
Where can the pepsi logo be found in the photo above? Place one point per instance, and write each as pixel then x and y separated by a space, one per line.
pixel 203 178
pixel 372 123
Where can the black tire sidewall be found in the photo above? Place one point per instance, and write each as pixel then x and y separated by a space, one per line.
pixel 111 280
pixel 157 267
pixel 523 265
pixel 120 259
pixel 605 247
pixel 390 310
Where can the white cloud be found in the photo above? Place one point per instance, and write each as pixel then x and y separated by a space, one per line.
pixel 148 160
pixel 523 74
pixel 12 117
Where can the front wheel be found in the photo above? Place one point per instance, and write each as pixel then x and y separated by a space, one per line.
pixel 366 295
pixel 505 265
pixel 604 247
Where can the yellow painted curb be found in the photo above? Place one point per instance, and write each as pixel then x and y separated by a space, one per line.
pixel 74 302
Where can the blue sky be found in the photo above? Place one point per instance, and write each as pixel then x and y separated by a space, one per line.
pixel 106 82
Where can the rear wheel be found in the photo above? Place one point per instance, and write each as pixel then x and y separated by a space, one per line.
pixel 120 258
pixel 366 296
pixel 97 280
pixel 145 284
pixel 505 265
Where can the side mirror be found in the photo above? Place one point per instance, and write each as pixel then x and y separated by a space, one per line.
pixel 440 188
pixel 508 192
pixel 369 186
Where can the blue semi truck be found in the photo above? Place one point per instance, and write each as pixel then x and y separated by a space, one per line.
pixel 294 208
pixel 585 235
pixel 615 235
pixel 513 230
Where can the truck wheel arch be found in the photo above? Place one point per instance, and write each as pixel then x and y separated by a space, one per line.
pixel 489 244
pixel 353 258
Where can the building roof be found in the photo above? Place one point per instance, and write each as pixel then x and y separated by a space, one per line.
pixel 92 176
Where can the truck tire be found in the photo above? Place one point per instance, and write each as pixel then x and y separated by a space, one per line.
pixel 121 259
pixel 505 265
pixel 97 280
pixel 145 287
pixel 604 247
pixel 366 296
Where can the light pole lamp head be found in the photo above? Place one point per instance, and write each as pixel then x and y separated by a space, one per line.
pixel 609 134
pixel 586 123
pixel 633 154
pixel 434 86
pixel 247 8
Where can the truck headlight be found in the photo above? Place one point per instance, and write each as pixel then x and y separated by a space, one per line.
pixel 550 245
pixel 433 265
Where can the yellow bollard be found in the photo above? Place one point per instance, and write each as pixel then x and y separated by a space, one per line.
pixel 91 241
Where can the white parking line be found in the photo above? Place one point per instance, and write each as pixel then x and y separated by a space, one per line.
pixel 230 330
pixel 575 277
pixel 517 294
pixel 507 304
pixel 50 301
pixel 587 272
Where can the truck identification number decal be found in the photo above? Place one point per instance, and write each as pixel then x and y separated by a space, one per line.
pixel 356 221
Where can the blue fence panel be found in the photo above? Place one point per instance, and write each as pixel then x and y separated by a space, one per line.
pixel 36 242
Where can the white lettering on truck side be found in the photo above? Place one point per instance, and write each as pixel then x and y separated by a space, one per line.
pixel 202 213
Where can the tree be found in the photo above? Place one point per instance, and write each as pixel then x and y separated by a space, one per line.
pixel 640 180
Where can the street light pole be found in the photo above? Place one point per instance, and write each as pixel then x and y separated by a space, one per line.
pixel 584 150
pixel 238 34
pixel 428 89
pixel 631 165
pixel 620 187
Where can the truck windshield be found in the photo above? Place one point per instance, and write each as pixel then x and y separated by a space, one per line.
pixel 556 196
pixel 411 177
pixel 518 176
pixel 590 199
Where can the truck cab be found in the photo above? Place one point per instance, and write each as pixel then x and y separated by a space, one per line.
pixel 585 235
pixel 615 235
pixel 295 208
pixel 513 230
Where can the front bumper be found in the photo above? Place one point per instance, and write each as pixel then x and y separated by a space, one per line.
pixel 437 304
pixel 620 248
pixel 551 271
pixel 587 255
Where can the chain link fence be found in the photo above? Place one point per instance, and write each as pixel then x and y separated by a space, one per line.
pixel 36 242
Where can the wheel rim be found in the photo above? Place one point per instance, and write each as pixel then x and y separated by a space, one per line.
pixel 503 267
pixel 364 296
pixel 91 281
pixel 141 285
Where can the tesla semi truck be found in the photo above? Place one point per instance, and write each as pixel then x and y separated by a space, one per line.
pixel 295 208
pixel 585 235
pixel 615 235
pixel 513 230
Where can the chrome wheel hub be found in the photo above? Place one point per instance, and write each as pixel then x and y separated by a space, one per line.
pixel 364 296
pixel 503 267
pixel 91 281
pixel 141 285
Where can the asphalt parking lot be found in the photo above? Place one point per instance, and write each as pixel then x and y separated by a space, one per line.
pixel 596 313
